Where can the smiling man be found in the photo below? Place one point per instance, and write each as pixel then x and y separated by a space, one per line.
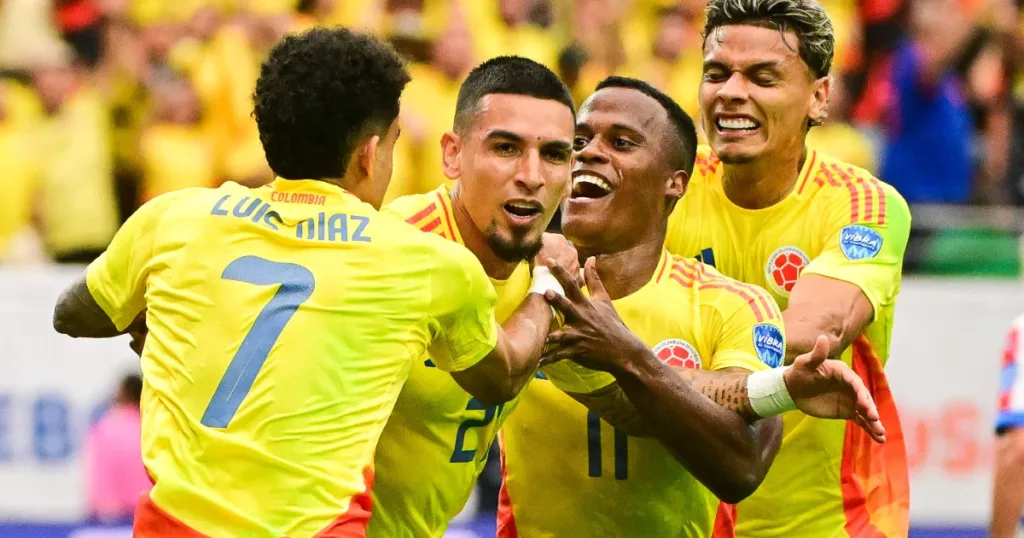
pixel 672 452
pixel 825 238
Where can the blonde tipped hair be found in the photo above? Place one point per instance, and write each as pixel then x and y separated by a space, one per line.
pixel 805 18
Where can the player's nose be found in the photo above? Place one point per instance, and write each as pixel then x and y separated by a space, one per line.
pixel 734 89
pixel 530 173
pixel 591 153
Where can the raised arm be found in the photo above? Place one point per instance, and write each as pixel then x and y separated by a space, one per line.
pixel 503 372
pixel 513 362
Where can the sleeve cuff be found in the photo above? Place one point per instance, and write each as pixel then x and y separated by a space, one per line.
pixel 737 359
pixel 95 282
pixel 571 377
pixel 876 303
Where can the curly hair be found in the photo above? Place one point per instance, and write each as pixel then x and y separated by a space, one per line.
pixel 513 75
pixel 806 18
pixel 319 93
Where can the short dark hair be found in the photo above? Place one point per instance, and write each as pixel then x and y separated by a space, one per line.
pixel 319 93
pixel 685 131
pixel 806 18
pixel 513 75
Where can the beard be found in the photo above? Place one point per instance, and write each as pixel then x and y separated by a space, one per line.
pixel 514 249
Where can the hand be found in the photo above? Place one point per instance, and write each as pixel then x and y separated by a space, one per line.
pixel 138 341
pixel 138 331
pixel 593 335
pixel 556 247
pixel 830 389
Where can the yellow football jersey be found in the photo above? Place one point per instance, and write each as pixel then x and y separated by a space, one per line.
pixel 436 442
pixel 830 478
pixel 283 322
pixel 567 473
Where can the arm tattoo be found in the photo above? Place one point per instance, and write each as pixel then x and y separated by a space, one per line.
pixel 727 389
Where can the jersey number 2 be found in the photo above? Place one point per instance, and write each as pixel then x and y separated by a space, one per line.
pixel 462 455
pixel 297 285
pixel 621 449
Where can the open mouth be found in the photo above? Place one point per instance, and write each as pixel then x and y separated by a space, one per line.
pixel 736 125
pixel 589 186
pixel 522 209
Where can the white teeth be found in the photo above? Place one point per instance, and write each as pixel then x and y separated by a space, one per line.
pixel 522 205
pixel 737 123
pixel 593 180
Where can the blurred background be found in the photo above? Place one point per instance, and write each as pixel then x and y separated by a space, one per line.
pixel 107 103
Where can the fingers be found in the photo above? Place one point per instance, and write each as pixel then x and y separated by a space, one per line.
pixel 559 354
pixel 565 278
pixel 563 305
pixel 593 280
pixel 816 356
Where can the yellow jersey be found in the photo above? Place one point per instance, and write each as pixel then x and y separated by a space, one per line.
pixel 830 478
pixel 436 442
pixel 567 473
pixel 283 321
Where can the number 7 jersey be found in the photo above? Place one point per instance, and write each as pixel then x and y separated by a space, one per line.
pixel 283 322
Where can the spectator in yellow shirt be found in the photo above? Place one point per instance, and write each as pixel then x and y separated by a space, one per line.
pixel 176 151
pixel 73 151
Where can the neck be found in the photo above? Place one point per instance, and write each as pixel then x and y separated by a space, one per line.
pixel 626 271
pixel 475 240
pixel 764 182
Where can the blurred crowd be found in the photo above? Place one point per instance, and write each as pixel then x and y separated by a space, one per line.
pixel 107 103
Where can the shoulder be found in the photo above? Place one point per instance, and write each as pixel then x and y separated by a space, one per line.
pixel 844 188
pixel 425 211
pixel 707 164
pixel 715 290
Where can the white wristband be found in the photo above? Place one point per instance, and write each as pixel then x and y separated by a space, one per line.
pixel 768 393
pixel 543 281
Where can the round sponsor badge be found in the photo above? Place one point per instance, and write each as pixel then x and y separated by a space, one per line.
pixel 784 267
pixel 677 354
pixel 859 242
pixel 769 344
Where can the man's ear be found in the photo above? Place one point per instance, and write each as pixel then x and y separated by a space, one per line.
pixel 451 147
pixel 818 107
pixel 368 155
pixel 675 185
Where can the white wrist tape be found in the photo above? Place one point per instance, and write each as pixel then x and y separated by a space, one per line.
pixel 768 393
pixel 543 281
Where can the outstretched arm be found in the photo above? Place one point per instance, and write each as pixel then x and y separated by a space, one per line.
pixel 715 444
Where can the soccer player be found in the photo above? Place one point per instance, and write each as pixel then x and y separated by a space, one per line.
pixel 509 154
pixel 284 320
pixel 826 239
pixel 1008 492
pixel 634 151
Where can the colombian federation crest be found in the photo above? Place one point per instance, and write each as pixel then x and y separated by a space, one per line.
pixel 678 354
pixel 784 267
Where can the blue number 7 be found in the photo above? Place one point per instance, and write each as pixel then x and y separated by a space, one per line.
pixel 297 285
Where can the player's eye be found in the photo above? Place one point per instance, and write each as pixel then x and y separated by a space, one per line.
pixel 715 75
pixel 557 155
pixel 764 79
pixel 505 149
pixel 622 142
pixel 579 142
